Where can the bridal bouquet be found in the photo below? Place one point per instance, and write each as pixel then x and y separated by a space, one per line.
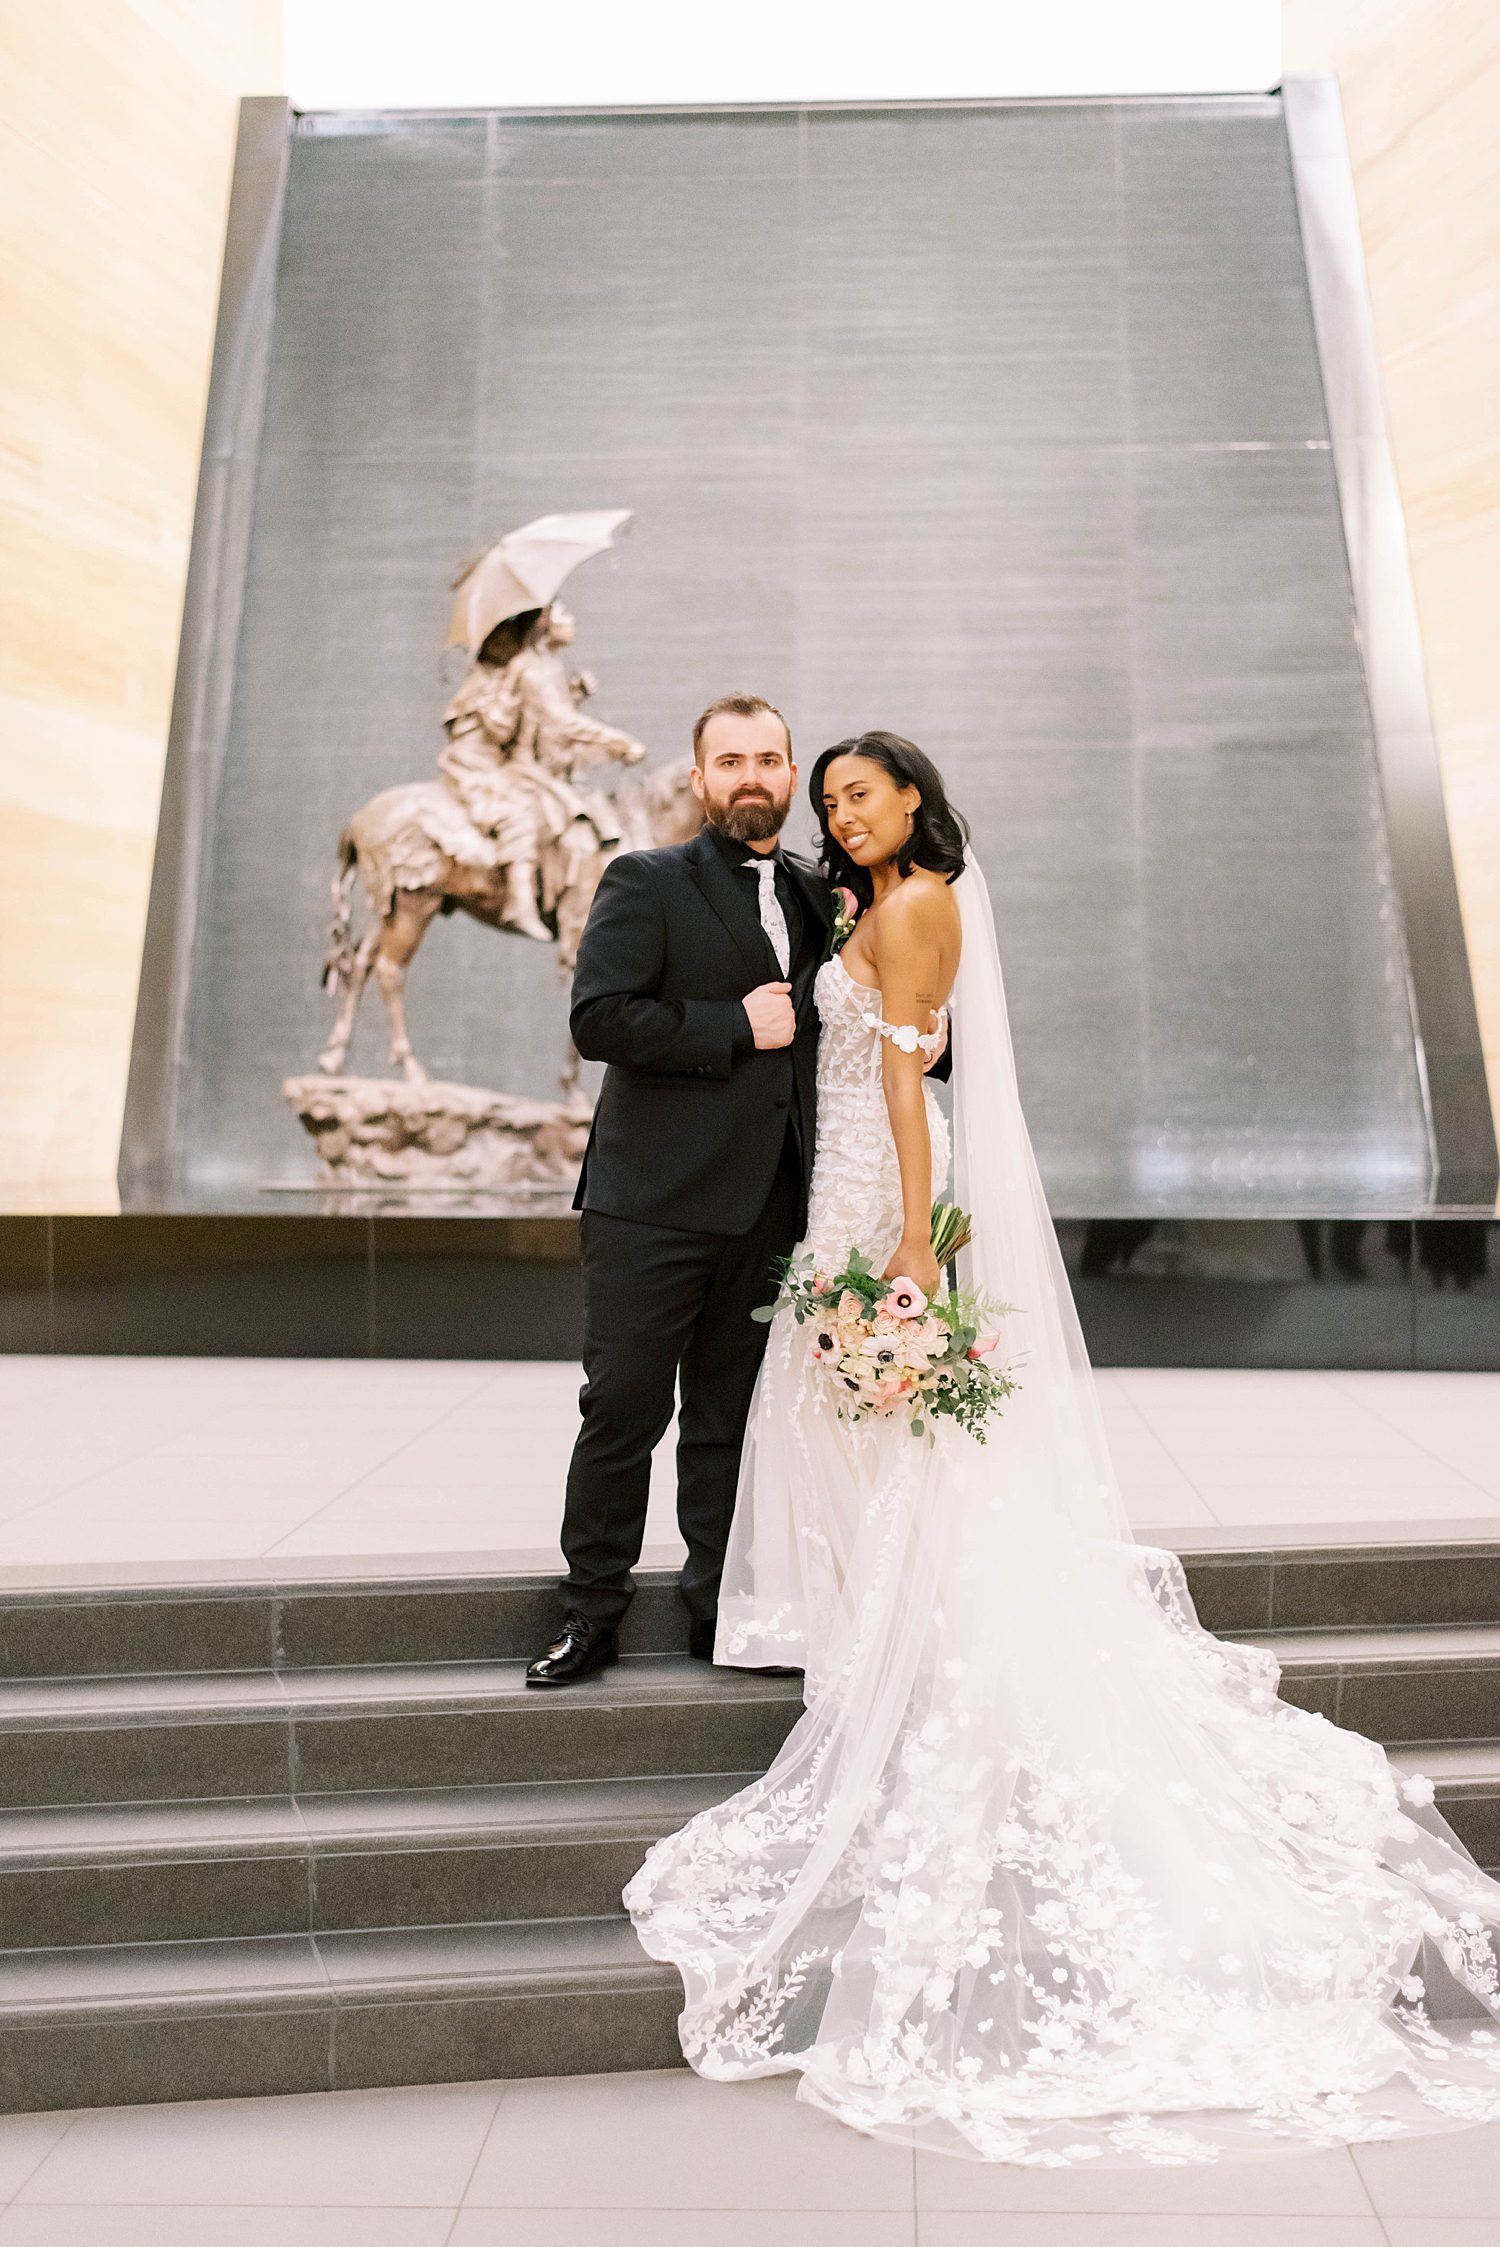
pixel 885 1348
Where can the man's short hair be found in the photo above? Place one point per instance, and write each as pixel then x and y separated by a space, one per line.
pixel 737 706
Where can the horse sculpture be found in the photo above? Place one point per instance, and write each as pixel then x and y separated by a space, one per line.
pixel 417 856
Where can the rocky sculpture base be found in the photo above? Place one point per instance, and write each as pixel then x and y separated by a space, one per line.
pixel 380 1132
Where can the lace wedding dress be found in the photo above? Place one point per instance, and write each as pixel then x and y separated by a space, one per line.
pixel 1045 1873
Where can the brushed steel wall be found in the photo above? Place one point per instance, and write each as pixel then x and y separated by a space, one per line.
pixel 1002 427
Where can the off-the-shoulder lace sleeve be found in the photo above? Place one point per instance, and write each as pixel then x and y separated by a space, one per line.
pixel 905 1036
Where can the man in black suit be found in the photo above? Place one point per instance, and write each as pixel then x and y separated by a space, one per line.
pixel 694 984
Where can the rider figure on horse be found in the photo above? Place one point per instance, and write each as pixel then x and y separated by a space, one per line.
pixel 514 732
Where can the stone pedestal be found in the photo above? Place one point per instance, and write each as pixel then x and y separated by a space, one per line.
pixel 439 1138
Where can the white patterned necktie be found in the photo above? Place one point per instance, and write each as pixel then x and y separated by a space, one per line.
pixel 772 918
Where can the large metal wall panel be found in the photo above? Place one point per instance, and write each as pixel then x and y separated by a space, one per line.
pixel 1002 427
pixel 1386 1293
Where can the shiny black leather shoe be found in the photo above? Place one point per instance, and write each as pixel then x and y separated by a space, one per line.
pixel 578 1651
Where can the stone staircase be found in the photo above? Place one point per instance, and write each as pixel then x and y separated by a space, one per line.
pixel 316 1835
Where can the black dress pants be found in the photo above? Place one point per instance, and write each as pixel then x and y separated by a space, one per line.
pixel 659 1304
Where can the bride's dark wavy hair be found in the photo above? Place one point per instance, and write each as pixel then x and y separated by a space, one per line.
pixel 939 836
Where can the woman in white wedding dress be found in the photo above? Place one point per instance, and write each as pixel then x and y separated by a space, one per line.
pixel 1045 1873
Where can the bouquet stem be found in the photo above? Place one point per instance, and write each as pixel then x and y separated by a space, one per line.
pixel 951 1231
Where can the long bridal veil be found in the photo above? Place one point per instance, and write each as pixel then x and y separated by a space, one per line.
pixel 1046 1873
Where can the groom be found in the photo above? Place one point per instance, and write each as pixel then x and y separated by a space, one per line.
pixel 694 983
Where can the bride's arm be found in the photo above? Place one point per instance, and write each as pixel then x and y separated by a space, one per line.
pixel 908 956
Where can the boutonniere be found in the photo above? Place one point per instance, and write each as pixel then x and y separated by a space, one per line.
pixel 845 914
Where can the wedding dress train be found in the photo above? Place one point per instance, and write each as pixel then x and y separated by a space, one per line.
pixel 1046 1873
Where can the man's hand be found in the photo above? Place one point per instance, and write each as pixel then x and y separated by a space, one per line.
pixel 772 1017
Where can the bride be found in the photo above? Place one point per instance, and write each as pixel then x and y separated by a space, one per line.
pixel 1045 1873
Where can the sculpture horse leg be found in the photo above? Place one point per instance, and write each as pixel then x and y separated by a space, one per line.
pixel 332 1056
pixel 411 914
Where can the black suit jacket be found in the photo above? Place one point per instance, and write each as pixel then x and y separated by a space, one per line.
pixel 692 1116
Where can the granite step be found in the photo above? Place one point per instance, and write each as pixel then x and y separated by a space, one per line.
pixel 388 1728
pixel 343 2008
pixel 359 1730
pixel 124 2024
pixel 133 1621
pixel 154 1872
pixel 1395 1686
pixel 224 1621
pixel 198 1871
pixel 1466 1780
pixel 284 1878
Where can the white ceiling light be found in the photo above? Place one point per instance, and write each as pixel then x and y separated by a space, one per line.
pixel 453 54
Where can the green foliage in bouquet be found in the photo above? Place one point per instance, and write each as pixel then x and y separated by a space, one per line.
pixel 887 1350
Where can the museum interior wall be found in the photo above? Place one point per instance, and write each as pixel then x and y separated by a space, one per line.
pixel 1420 84
pixel 114 170
pixel 1004 426
pixel 999 426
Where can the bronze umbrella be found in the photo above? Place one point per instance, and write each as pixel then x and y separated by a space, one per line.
pixel 526 570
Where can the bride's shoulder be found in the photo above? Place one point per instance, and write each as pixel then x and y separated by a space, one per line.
pixel 923 910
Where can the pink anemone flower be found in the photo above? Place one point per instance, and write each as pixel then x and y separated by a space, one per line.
pixel 905 1300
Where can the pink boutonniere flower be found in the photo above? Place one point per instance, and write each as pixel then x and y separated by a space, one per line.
pixel 846 913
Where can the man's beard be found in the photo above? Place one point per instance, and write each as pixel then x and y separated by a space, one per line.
pixel 749 819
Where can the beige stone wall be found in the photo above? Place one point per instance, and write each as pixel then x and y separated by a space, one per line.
pixel 1420 81
pixel 115 154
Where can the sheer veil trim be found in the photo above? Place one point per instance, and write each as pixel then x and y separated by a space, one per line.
pixel 1045 1873
pixel 1014 1255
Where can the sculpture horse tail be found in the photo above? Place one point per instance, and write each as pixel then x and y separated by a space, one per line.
pixel 339 964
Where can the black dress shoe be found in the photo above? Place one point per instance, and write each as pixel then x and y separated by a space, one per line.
pixel 581 1648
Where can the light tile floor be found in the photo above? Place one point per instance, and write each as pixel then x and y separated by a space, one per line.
pixel 666 2161
pixel 216 1459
